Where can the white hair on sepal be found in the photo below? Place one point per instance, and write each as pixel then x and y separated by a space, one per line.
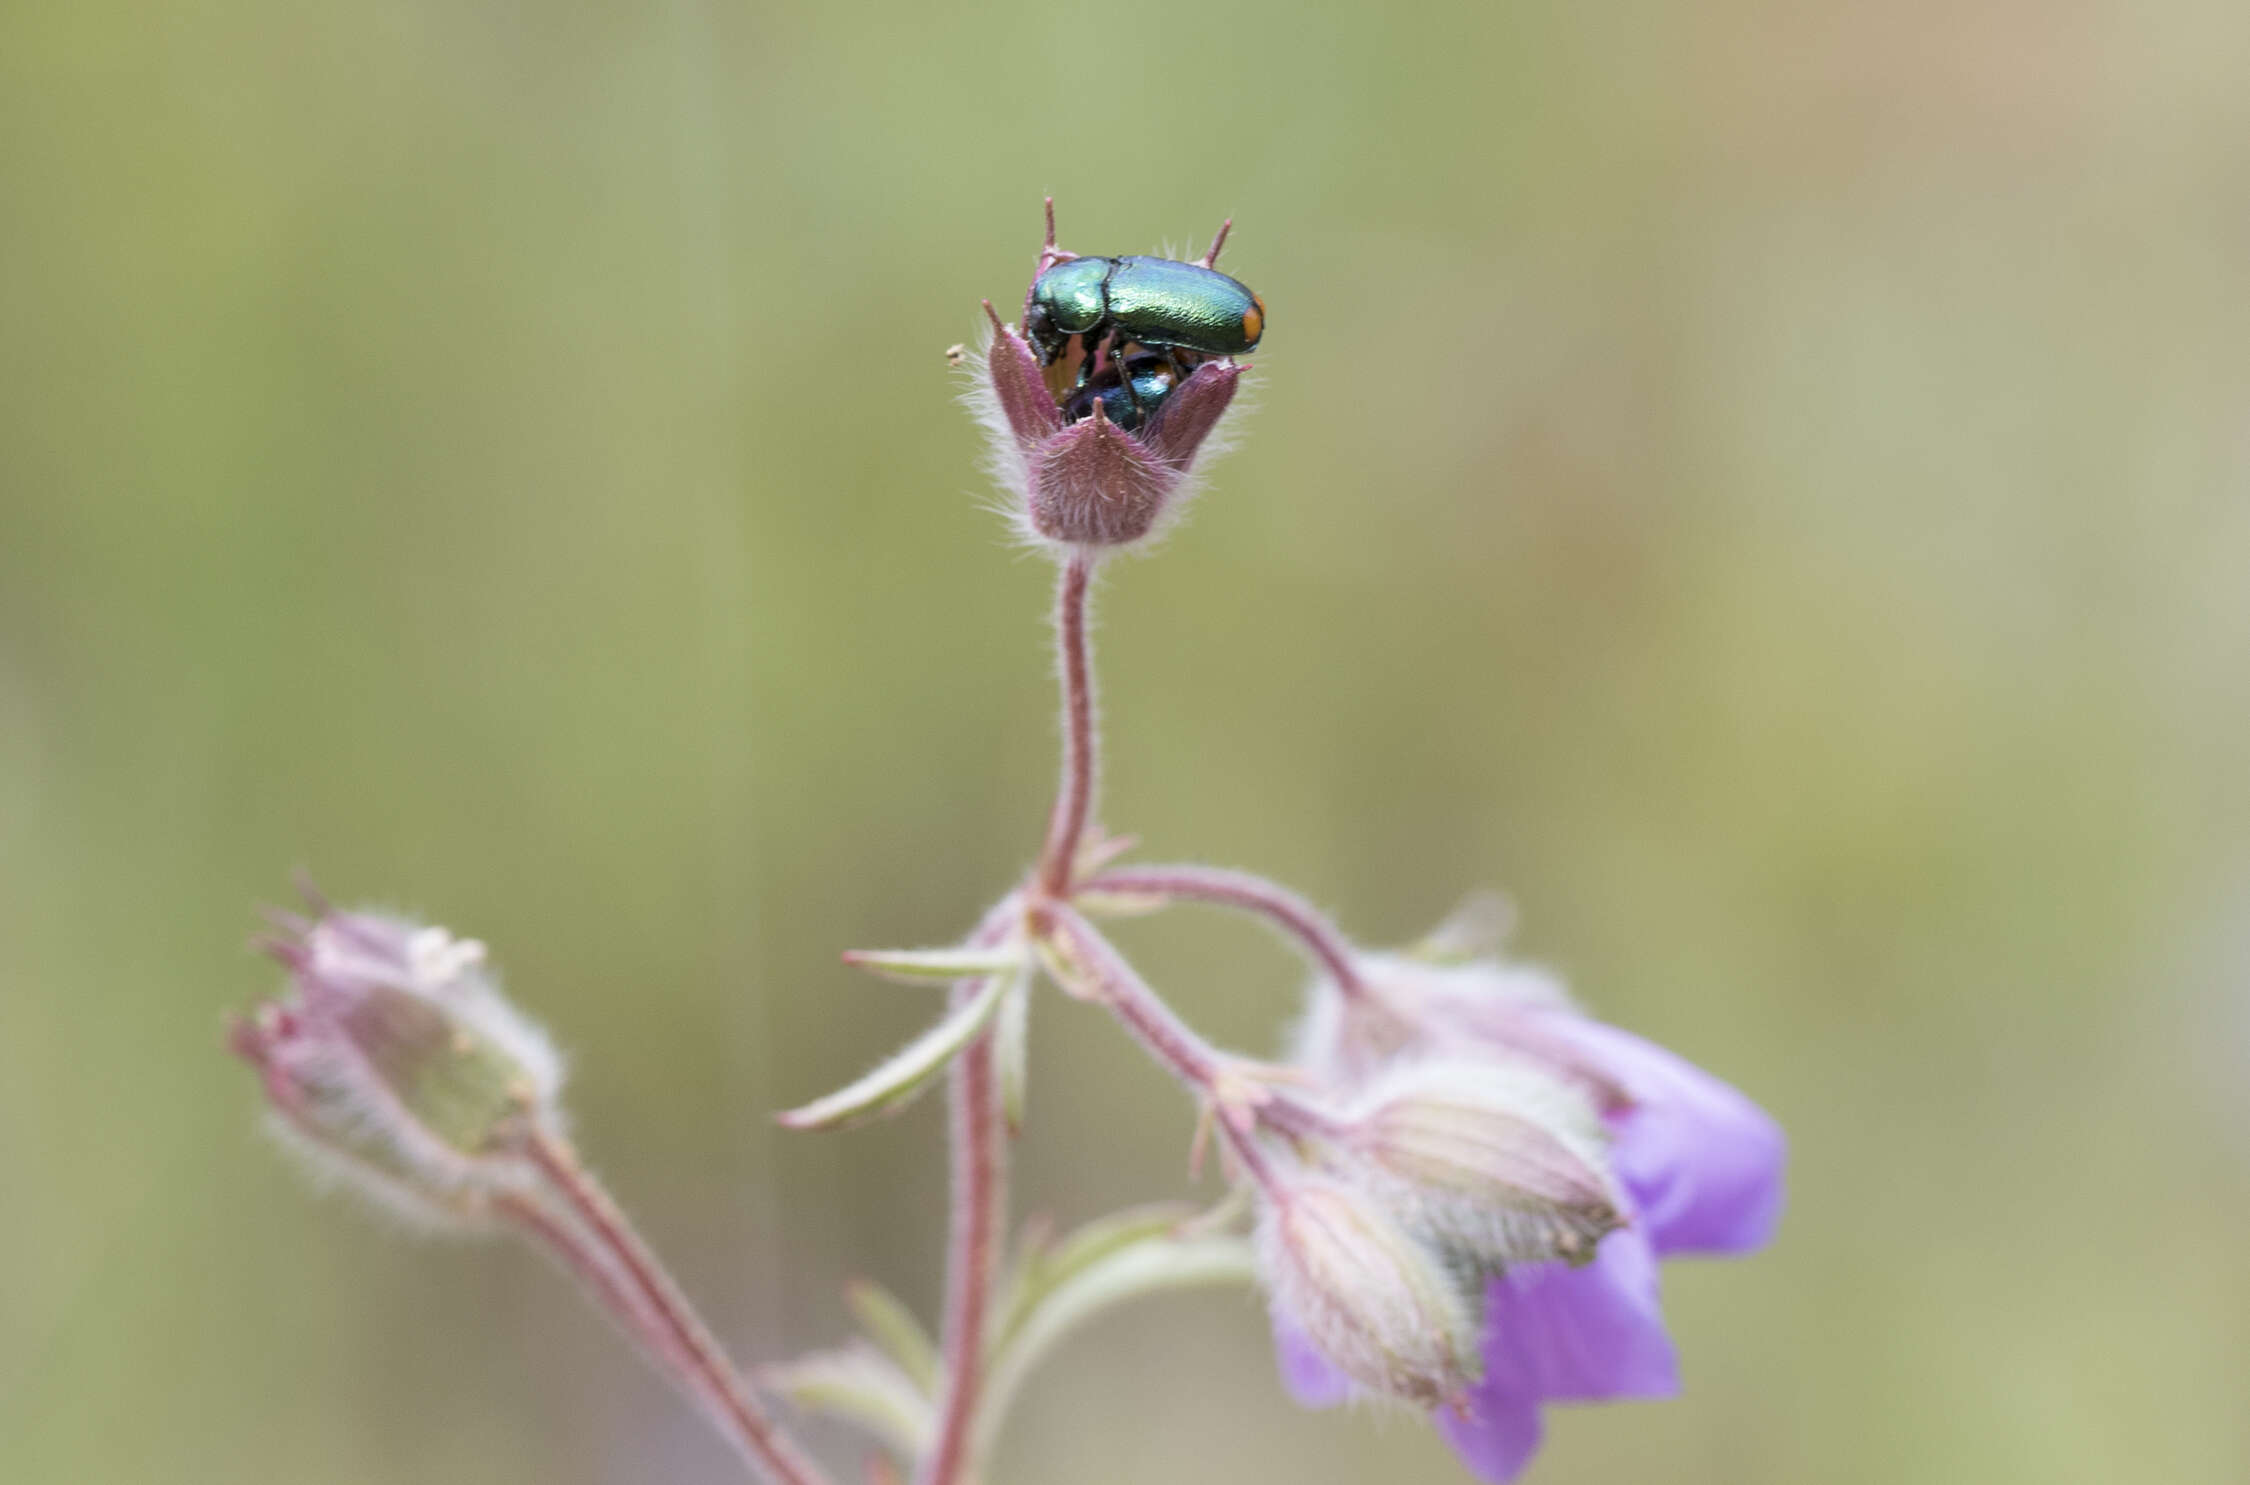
pixel 1003 459
pixel 331 1169
pixel 1009 469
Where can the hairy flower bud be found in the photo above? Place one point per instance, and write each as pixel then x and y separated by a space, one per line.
pixel 1095 436
pixel 1379 1302
pixel 1092 482
pixel 1506 1126
pixel 1503 1163
pixel 394 1065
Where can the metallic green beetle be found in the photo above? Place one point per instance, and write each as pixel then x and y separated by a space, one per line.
pixel 1154 302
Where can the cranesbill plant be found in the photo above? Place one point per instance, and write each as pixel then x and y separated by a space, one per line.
pixel 1455 1188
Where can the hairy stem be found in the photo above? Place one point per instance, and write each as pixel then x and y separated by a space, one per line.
pixel 978 1136
pixel 1171 1041
pixel 1180 1050
pixel 627 1276
pixel 979 1173
pixel 598 1274
pixel 1321 940
pixel 976 1126
pixel 1075 801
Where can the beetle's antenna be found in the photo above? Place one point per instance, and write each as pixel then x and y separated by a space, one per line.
pixel 1209 259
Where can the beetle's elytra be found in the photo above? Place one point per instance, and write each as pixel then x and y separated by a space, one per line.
pixel 1154 302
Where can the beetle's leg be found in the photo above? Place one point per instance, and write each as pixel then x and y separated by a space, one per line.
pixel 1182 363
pixel 1125 376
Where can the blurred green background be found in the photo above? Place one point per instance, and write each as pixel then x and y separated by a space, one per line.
pixel 1764 483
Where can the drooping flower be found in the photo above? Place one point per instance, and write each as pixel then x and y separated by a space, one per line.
pixel 393 1065
pixel 1698 1168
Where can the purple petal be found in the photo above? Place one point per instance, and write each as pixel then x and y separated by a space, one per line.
pixel 1495 1432
pixel 1581 1334
pixel 1702 1162
pixel 1310 1377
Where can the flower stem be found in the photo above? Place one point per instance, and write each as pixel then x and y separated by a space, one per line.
pixel 1154 1024
pixel 977 1133
pixel 979 1178
pixel 1075 801
pixel 627 1276
pixel 1321 940
pixel 1181 1051
pixel 566 1241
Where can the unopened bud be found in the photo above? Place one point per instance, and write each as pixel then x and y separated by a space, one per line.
pixel 1379 1302
pixel 394 1065
pixel 1504 1163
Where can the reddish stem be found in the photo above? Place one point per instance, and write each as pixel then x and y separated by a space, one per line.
pixel 1292 914
pixel 1058 858
pixel 1186 1055
pixel 1183 1053
pixel 977 1134
pixel 681 1338
pixel 602 1279
pixel 979 1158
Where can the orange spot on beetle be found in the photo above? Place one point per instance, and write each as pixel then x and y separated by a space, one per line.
pixel 1254 321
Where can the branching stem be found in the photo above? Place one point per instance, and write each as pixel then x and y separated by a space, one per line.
pixel 1240 1103
pixel 1323 942
pixel 977 1128
pixel 1171 1041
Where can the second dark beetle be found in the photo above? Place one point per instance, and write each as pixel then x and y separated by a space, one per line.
pixel 1130 388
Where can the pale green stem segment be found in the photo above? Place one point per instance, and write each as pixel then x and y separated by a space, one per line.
pixel 914 1067
pixel 1127 1274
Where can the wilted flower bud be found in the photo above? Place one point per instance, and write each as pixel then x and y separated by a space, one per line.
pixel 1377 1300
pixel 1092 482
pixel 1501 1162
pixel 1086 466
pixel 393 1064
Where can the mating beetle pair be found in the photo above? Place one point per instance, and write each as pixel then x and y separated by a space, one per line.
pixel 1123 333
